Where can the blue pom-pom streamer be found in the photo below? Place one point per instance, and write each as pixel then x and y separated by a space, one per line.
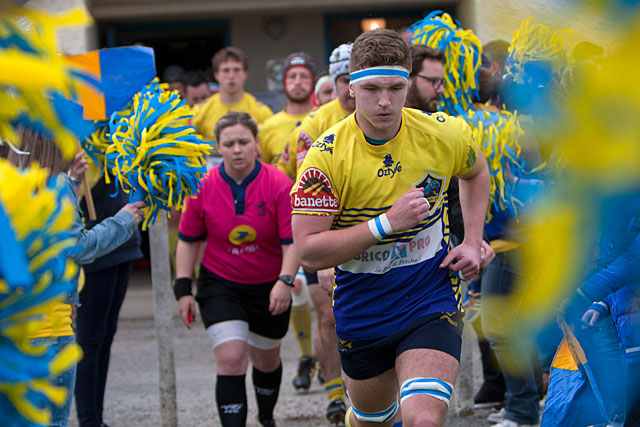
pixel 39 218
pixel 155 156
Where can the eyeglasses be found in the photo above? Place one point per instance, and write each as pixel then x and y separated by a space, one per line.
pixel 436 82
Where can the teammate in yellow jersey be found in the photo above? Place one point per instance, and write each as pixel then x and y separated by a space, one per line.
pixel 370 200
pixel 323 117
pixel 230 69
pixel 297 76
pixel 301 139
pixel 325 91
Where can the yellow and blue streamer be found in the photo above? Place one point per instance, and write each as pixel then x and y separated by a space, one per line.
pixel 32 73
pixel 154 156
pixel 35 219
pixel 462 53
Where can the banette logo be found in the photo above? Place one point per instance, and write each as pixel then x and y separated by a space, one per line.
pixel 314 193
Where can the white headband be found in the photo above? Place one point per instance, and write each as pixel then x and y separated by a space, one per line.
pixel 321 81
pixel 382 71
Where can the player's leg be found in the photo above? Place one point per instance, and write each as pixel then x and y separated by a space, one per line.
pixel 301 325
pixel 265 335
pixel 231 351
pixel 427 362
pixel 327 353
pixel 373 401
pixel 266 376
pixel 426 379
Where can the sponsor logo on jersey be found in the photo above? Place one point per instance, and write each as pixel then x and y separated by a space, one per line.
pixel 433 186
pixel 242 234
pixel 285 154
pixel 439 117
pixel 388 169
pixel 314 193
pixel 379 259
pixel 326 144
pixel 304 143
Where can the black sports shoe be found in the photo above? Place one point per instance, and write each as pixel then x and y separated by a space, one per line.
pixel 306 368
pixel 266 423
pixel 336 411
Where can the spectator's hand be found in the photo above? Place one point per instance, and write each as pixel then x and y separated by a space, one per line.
pixel 135 209
pixel 280 298
pixel 408 210
pixel 591 316
pixel 78 167
pixel 187 308
pixel 325 280
pixel 486 255
pixel 464 258
pixel 574 307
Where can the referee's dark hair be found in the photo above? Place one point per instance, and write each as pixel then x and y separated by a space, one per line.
pixel 233 118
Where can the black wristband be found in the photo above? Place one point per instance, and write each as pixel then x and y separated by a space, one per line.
pixel 182 287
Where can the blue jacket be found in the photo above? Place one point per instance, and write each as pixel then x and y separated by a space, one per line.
pixel 108 201
pixel 101 240
pixel 616 280
pixel 104 237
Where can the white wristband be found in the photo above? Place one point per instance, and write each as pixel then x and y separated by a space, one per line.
pixel 380 226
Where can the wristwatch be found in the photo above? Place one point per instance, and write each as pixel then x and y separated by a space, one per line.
pixel 286 279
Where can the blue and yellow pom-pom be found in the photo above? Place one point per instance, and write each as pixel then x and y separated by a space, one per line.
pixel 31 72
pixel 462 53
pixel 498 136
pixel 35 219
pixel 536 54
pixel 154 156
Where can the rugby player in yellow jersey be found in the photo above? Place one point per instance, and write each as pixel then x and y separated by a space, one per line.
pixel 297 76
pixel 230 69
pixel 301 139
pixel 370 200
pixel 323 117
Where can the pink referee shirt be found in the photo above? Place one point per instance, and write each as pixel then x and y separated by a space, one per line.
pixel 244 224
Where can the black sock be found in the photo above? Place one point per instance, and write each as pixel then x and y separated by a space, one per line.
pixel 231 398
pixel 267 387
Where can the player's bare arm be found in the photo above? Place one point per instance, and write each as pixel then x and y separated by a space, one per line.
pixel 474 198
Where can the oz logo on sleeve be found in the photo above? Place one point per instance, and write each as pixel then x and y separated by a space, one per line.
pixel 314 193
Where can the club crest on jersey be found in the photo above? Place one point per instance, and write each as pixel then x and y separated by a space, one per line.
pixel 303 145
pixel 388 169
pixel 433 186
pixel 285 154
pixel 326 144
pixel 314 193
pixel 242 234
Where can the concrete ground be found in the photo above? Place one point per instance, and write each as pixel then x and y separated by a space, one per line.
pixel 132 397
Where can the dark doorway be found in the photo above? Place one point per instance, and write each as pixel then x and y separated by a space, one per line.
pixel 188 44
pixel 345 27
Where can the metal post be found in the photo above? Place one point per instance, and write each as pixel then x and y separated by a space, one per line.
pixel 163 318
pixel 463 396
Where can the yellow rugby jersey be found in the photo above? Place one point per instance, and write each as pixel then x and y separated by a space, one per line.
pixel 397 280
pixel 319 120
pixel 274 134
pixel 206 116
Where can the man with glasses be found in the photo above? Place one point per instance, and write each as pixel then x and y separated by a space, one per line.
pixel 426 81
